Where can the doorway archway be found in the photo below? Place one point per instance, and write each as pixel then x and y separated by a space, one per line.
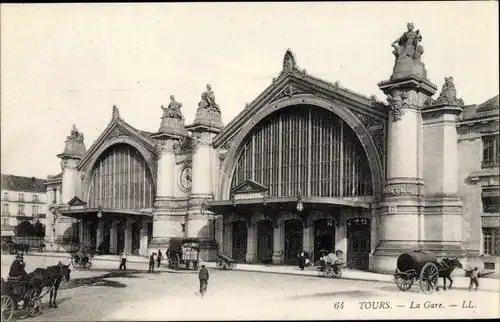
pixel 358 247
pixel 324 236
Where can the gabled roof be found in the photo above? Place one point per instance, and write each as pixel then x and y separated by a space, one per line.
pixel 305 83
pixel 487 109
pixel 75 201
pixel 117 127
pixel 248 186
pixel 23 184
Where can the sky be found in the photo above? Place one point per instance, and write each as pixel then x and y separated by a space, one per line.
pixel 65 64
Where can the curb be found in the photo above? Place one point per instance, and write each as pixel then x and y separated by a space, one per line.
pixel 57 255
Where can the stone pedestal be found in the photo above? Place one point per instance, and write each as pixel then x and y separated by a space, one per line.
pixel 167 219
pixel 400 215
pixel 443 207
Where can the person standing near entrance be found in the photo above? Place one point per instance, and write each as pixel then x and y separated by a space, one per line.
pixel 123 257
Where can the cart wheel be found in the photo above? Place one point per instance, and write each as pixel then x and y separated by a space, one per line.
pixel 8 307
pixel 35 307
pixel 328 272
pixel 429 278
pixel 403 283
pixel 337 272
pixel 86 264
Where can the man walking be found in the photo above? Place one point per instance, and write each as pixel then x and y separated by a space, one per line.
pixel 203 276
pixel 123 263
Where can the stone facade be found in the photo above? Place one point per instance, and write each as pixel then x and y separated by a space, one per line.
pixel 419 182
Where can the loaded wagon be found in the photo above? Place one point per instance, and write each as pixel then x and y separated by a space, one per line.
pixel 417 266
pixel 225 262
pixel 183 251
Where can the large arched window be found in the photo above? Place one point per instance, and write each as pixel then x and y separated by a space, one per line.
pixel 121 180
pixel 304 148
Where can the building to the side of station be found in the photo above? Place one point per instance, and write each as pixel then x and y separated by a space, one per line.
pixel 307 165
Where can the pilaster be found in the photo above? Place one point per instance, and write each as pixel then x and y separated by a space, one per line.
pixel 251 244
pixel 113 236
pixel 279 243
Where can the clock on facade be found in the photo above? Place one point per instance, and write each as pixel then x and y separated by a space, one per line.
pixel 186 176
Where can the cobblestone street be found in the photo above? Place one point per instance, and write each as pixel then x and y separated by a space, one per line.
pixel 104 293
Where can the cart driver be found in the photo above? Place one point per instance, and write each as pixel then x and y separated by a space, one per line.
pixel 17 268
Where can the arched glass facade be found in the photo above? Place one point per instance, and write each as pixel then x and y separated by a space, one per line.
pixel 121 180
pixel 305 148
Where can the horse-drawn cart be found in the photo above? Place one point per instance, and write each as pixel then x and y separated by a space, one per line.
pixel 225 262
pixel 14 291
pixel 417 266
pixel 183 251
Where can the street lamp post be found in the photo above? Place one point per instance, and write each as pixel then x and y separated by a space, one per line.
pixel 300 204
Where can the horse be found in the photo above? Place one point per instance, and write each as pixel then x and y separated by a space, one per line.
pixel 446 267
pixel 51 277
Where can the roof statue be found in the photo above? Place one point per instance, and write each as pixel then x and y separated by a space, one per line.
pixel 116 113
pixel 289 61
pixel 173 110
pixel 208 113
pixel 448 95
pixel 408 45
pixel 74 145
pixel 408 51
pixel 172 120
pixel 208 100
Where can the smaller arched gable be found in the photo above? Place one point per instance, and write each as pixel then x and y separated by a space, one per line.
pixel 123 140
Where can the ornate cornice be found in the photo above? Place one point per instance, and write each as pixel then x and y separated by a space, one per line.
pixel 401 100
pixel 166 145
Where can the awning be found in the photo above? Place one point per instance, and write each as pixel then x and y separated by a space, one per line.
pixel 119 214
pixel 222 206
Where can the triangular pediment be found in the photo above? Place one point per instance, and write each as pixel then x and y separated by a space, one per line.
pixel 76 202
pixel 249 186
pixel 117 128
pixel 293 81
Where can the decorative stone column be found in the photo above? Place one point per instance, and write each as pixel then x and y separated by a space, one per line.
pixel 206 125
pixel 400 214
pixel 128 237
pixel 73 152
pixel 251 244
pixel 443 208
pixel 167 212
pixel 279 243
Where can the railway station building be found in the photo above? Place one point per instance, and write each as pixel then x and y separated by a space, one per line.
pixel 307 165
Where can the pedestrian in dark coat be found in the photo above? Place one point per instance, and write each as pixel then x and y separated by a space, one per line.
pixel 17 267
pixel 158 259
pixel 203 277
pixel 151 263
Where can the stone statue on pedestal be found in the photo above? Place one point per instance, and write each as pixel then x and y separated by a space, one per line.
pixel 408 44
pixel 173 110
pixel 408 51
pixel 75 135
pixel 74 143
pixel 208 100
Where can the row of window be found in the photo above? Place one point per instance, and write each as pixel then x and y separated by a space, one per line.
pixel 121 180
pixel 308 150
pixel 20 209
pixel 491 241
pixel 491 150
pixel 20 197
